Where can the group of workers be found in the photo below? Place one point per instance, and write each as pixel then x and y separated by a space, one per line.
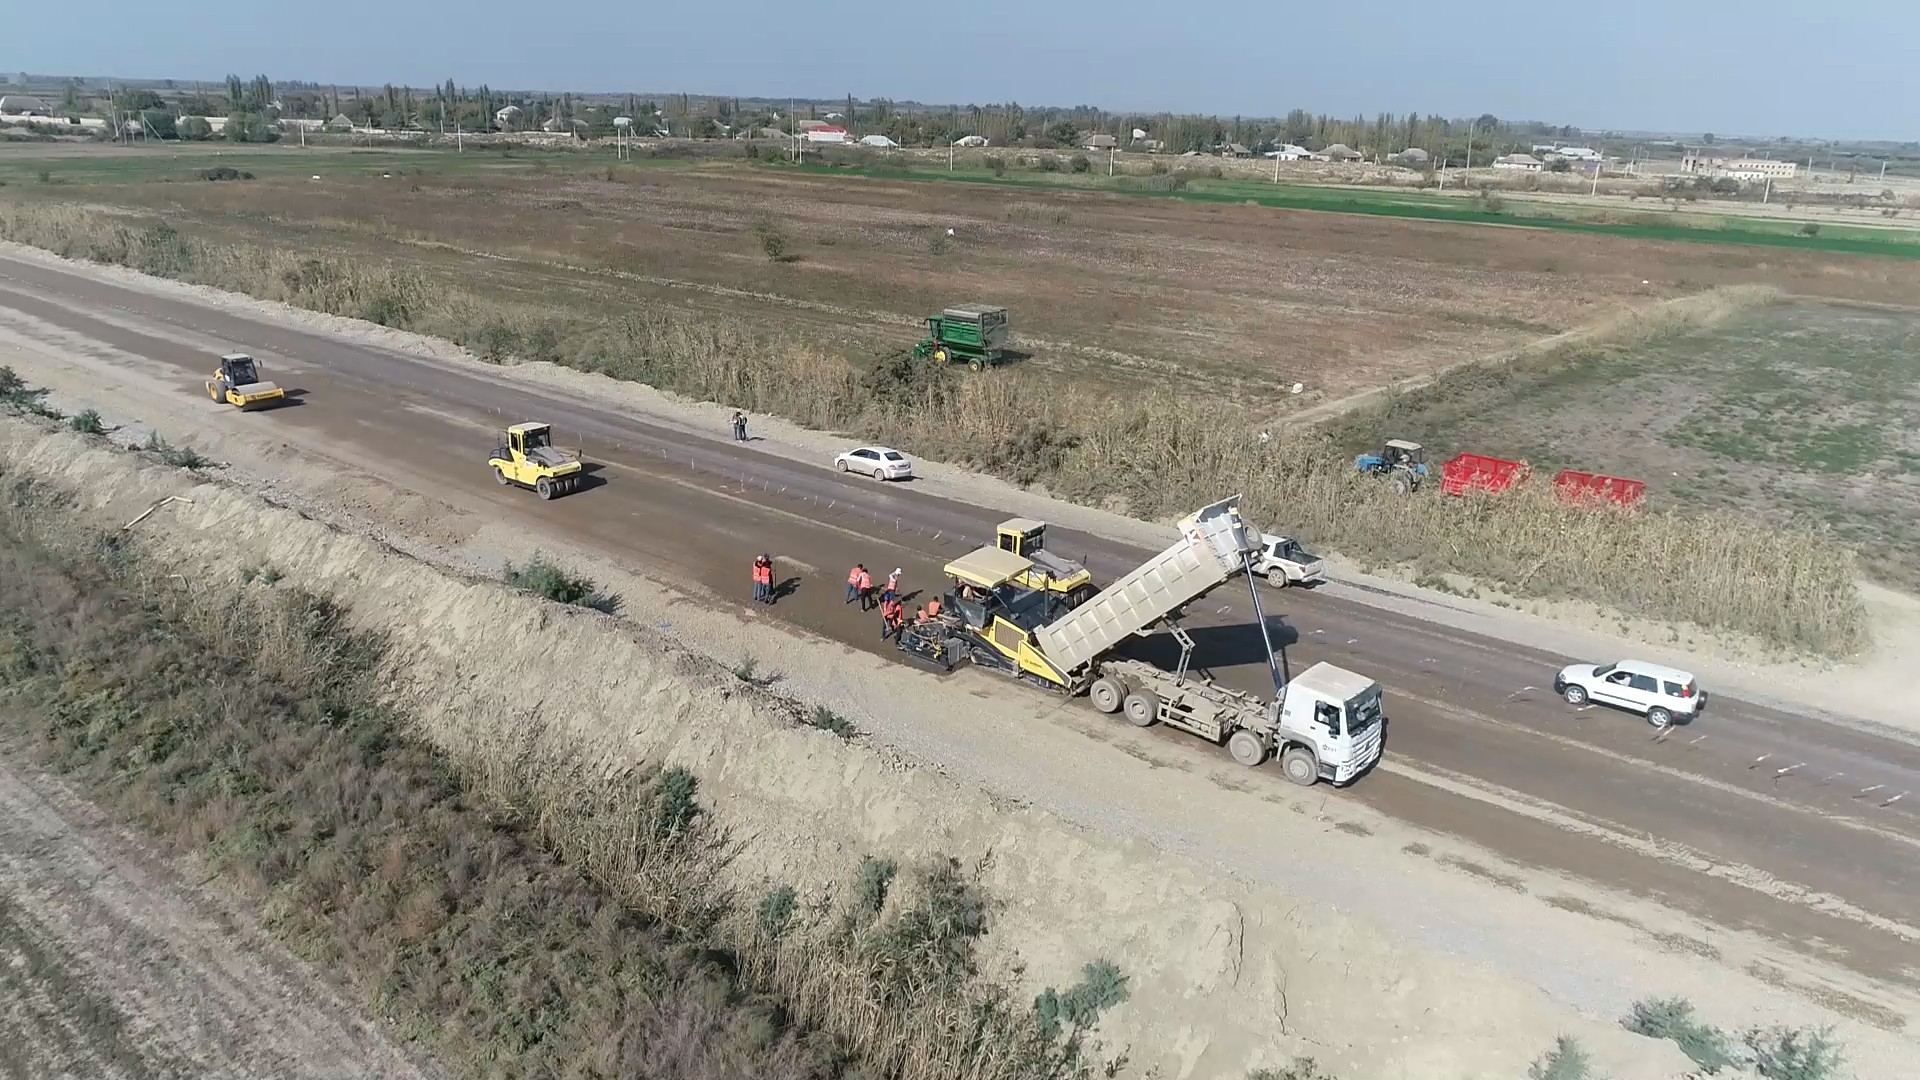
pixel 893 610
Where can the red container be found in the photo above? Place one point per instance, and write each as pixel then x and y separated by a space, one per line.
pixel 1574 485
pixel 1477 472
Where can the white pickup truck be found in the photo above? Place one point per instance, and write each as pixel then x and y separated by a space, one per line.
pixel 1283 562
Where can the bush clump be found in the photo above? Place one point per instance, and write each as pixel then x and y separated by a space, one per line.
pixel 543 577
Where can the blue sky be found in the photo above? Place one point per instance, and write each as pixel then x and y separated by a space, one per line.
pixel 1767 67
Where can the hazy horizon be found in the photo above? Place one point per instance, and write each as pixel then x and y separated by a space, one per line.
pixel 1759 69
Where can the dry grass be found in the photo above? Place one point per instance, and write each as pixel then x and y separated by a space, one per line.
pixel 522 913
pixel 1150 452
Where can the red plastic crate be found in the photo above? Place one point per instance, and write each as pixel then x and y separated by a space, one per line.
pixel 1573 484
pixel 1465 472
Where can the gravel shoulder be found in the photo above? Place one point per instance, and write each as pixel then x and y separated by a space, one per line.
pixel 117 961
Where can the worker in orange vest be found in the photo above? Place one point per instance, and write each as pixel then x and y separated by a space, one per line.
pixel 892 614
pixel 853 581
pixel 865 585
pixel 933 608
pixel 763 579
pixel 893 584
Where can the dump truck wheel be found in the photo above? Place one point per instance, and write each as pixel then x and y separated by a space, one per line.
pixel 1106 694
pixel 1247 748
pixel 1300 767
pixel 1143 708
pixel 545 487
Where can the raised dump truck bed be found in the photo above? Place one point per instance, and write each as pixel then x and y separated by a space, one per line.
pixel 1324 725
pixel 1213 546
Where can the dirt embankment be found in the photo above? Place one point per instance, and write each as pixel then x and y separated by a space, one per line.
pixel 1224 976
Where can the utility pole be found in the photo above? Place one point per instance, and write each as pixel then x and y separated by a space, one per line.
pixel 1468 175
pixel 950 153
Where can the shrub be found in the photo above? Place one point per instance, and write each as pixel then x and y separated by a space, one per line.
pixel 938 242
pixel 88 422
pixel 870 886
pixel 1215 172
pixel 194 128
pixel 180 457
pixel 827 720
pixel 542 577
pixel 1302 1068
pixel 225 172
pixel 1566 1061
pixel 1810 229
pixel 776 911
pixel 1079 163
pixel 1101 987
pixel 1048 163
pixel 997 164
pixel 1672 1018
pixel 1782 1053
pixel 773 241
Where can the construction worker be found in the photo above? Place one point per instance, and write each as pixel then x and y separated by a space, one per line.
pixel 853 581
pixel 933 608
pixel 763 579
pixel 867 601
pixel 893 585
pixel 892 614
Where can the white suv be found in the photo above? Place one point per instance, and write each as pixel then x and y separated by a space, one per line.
pixel 1659 693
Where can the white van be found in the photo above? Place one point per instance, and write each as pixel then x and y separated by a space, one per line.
pixel 1661 694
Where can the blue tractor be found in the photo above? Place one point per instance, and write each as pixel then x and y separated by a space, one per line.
pixel 1402 461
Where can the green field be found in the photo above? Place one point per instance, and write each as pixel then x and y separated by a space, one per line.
pixel 1650 224
pixel 26 164
pixel 1798 411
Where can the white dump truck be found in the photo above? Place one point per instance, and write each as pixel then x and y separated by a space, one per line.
pixel 1325 724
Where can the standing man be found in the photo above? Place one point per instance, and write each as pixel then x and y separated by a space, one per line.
pixel 739 426
pixel 759 579
pixel 867 602
pixel 892 613
pixel 853 582
pixel 893 584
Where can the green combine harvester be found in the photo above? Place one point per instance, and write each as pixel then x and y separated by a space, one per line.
pixel 970 334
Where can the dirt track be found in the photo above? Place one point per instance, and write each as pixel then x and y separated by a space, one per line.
pixel 1696 821
pixel 112 966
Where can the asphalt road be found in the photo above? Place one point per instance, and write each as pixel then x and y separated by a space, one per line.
pixel 1701 819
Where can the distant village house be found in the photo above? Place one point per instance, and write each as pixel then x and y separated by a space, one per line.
pixel 1518 162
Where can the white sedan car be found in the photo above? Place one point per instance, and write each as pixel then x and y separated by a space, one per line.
pixel 1661 694
pixel 879 462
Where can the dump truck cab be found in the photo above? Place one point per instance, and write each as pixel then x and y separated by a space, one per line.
pixel 1067 581
pixel 237 382
pixel 1328 724
pixel 970 334
pixel 527 457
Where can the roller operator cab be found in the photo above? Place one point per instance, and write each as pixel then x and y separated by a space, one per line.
pixel 237 382
pixel 1064 579
pixel 527 457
